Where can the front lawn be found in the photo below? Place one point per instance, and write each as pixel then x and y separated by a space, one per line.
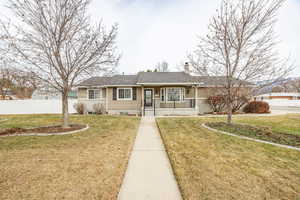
pixel 261 133
pixel 283 123
pixel 210 165
pixel 85 165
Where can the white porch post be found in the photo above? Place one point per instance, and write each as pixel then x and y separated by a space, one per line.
pixel 142 100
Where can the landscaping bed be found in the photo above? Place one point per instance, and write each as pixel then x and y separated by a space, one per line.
pixel 262 133
pixel 41 130
pixel 210 166
pixel 223 113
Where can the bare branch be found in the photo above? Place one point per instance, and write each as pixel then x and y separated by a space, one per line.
pixel 241 45
pixel 58 44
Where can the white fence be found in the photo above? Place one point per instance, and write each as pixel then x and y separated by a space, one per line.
pixel 283 102
pixel 34 106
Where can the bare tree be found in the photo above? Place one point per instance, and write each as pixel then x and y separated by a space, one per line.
pixel 295 85
pixel 21 83
pixel 240 47
pixel 278 88
pixel 218 96
pixel 57 43
pixel 25 83
pixel 6 81
pixel 162 66
pixel 6 73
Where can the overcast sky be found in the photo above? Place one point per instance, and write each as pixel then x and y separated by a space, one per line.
pixel 154 30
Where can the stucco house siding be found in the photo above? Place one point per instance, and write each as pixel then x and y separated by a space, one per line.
pixel 204 92
pixel 89 103
pixel 82 93
pixel 131 106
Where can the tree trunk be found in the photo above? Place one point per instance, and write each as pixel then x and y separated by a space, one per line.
pixel 229 107
pixel 229 112
pixel 65 109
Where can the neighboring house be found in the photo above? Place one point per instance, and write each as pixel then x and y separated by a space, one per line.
pixel 279 95
pixel 46 93
pixel 9 95
pixel 149 93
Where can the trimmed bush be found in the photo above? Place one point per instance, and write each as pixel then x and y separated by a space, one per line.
pixel 98 108
pixel 217 103
pixel 257 107
pixel 80 108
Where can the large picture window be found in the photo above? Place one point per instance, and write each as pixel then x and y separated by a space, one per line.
pixel 175 94
pixel 124 93
pixel 94 94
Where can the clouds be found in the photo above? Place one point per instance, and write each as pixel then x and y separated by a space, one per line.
pixel 154 30
pixel 151 31
pixel 288 30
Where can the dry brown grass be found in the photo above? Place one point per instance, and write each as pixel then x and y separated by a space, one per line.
pixel 87 165
pixel 283 123
pixel 209 165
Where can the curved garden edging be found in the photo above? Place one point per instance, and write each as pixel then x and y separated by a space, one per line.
pixel 3 120
pixel 49 134
pixel 252 139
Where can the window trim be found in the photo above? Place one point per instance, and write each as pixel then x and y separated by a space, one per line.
pixel 182 94
pixel 88 94
pixel 124 99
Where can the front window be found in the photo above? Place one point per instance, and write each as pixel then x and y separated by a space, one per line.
pixel 94 94
pixel 124 93
pixel 175 94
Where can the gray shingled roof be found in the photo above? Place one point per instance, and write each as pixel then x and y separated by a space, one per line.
pixel 95 81
pixel 156 78
pixel 114 80
pixel 123 80
pixel 164 77
pixel 215 80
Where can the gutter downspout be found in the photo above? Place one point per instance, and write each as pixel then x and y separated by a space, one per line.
pixel 196 99
pixel 106 100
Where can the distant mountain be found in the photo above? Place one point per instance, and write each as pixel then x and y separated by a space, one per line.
pixel 286 85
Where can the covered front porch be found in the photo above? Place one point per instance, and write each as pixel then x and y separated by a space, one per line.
pixel 169 100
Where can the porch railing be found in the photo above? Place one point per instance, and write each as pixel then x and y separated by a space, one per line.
pixel 158 104
pixel 187 103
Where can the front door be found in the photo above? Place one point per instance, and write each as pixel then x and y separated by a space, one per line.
pixel 148 97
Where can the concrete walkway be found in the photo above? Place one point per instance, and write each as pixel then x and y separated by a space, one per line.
pixel 149 175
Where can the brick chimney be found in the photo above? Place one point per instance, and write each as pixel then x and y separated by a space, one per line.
pixel 187 68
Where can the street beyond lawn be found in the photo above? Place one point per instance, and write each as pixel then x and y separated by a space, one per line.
pixel 86 165
pixel 210 165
